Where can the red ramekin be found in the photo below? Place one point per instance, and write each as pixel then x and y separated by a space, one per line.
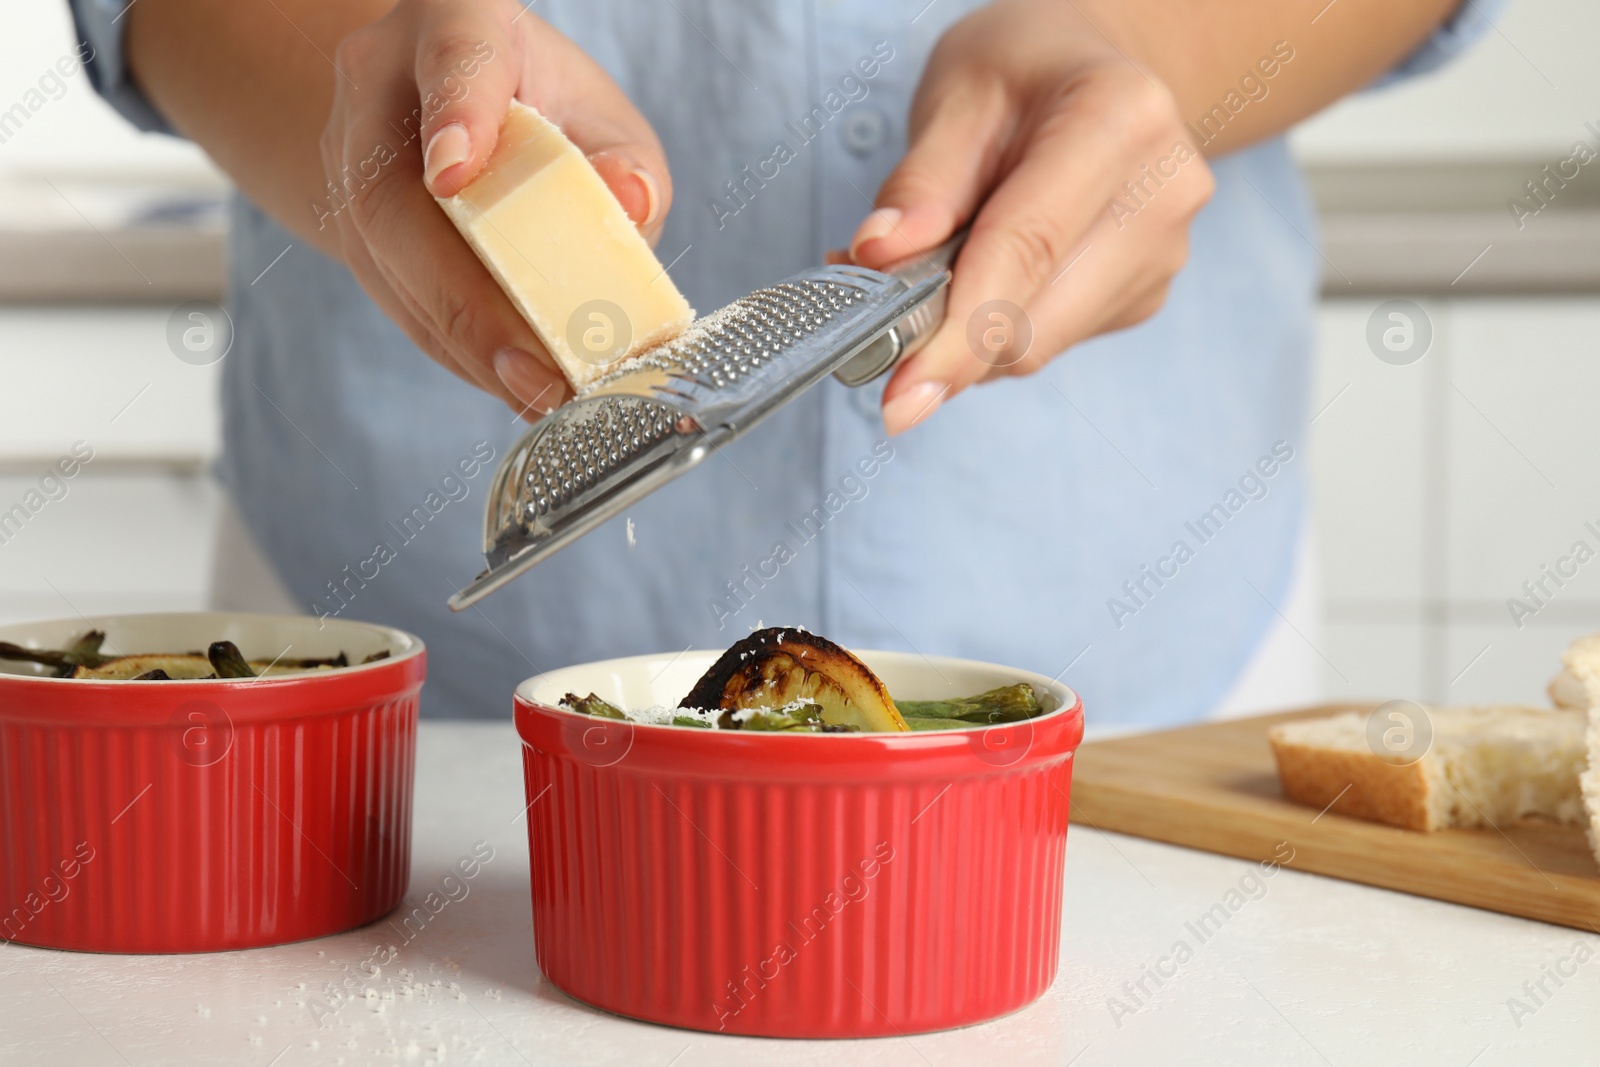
pixel 820 885
pixel 193 816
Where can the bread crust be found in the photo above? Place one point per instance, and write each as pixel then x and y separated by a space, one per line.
pixel 1360 784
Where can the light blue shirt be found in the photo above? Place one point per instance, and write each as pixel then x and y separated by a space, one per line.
pixel 1125 519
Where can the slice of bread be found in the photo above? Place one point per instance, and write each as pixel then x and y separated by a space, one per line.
pixel 1485 766
pixel 1578 685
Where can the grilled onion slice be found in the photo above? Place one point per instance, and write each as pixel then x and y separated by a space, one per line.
pixel 776 667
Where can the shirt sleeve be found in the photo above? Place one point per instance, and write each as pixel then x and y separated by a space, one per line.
pixel 1471 21
pixel 100 24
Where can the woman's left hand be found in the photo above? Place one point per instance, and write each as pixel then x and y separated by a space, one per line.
pixel 1029 124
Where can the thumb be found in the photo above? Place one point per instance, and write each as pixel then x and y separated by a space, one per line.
pixel 953 160
pixel 467 69
pixel 471 61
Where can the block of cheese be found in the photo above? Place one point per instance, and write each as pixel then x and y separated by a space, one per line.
pixel 543 221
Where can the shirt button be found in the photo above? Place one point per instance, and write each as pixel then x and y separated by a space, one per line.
pixel 864 130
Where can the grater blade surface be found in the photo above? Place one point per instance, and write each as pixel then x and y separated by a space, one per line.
pixel 662 412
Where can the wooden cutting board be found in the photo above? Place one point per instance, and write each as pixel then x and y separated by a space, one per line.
pixel 1215 787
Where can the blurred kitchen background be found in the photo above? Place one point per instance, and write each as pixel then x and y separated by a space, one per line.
pixel 1442 483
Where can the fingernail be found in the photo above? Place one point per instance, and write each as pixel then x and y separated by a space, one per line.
pixel 449 145
pixel 652 192
pixel 529 380
pixel 913 406
pixel 880 223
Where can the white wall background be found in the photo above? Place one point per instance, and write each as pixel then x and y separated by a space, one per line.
pixel 1524 92
pixel 77 132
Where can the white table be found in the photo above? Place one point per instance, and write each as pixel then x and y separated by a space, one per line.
pixel 1313 971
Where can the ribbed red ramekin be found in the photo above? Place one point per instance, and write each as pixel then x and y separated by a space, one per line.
pixel 192 816
pixel 830 885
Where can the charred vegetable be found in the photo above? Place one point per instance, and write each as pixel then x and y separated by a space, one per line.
pixel 228 661
pixel 288 665
pixel 1010 703
pixel 800 718
pixel 776 668
pixel 592 705
pixel 44 656
pixel 85 652
pixel 341 660
pixel 124 668
pixel 85 660
pixel 790 681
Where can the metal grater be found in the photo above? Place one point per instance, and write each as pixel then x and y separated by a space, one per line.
pixel 659 414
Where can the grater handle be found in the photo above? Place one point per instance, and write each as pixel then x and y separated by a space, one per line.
pixel 888 349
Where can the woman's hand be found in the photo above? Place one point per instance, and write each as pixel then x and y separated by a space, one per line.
pixel 1028 123
pixel 417 106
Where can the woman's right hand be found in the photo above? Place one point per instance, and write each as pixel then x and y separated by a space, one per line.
pixel 418 102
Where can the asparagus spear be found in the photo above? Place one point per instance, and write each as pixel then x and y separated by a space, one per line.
pixel 1009 703
pixel 85 652
pixel 47 657
pixel 228 661
pixel 805 719
pixel 592 705
pixel 84 659
pixel 341 660
pixel 937 724
pixel 771 719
